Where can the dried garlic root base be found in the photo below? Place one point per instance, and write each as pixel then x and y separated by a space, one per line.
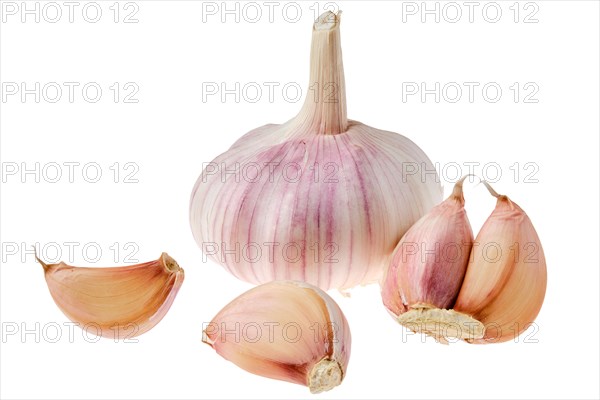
pixel 441 324
pixel 325 375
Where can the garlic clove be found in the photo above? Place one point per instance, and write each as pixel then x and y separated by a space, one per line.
pixel 320 198
pixel 284 330
pixel 505 283
pixel 118 302
pixel 427 270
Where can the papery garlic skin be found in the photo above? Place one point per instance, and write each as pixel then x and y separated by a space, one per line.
pixel 427 270
pixel 429 263
pixel 327 198
pixel 115 302
pixel 505 283
pixel 284 330
pixel 502 291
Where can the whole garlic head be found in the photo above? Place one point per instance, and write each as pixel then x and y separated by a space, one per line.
pixel 320 198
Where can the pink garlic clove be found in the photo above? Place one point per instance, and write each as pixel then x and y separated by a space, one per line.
pixel 284 330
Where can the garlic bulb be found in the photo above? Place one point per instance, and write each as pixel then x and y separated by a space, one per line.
pixel 505 284
pixel 284 330
pixel 320 198
pixel 498 296
pixel 118 302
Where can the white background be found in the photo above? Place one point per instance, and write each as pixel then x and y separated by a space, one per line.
pixel 170 132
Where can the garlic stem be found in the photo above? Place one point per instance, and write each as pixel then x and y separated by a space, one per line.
pixel 500 197
pixel 490 189
pixel 324 109
pixel 457 191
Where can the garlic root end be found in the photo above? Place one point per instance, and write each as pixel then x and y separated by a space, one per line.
pixel 327 21
pixel 170 263
pixel 207 340
pixel 325 375
pixel 441 324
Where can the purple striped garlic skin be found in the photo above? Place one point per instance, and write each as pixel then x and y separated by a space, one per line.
pixel 320 198
pixel 490 294
pixel 429 264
